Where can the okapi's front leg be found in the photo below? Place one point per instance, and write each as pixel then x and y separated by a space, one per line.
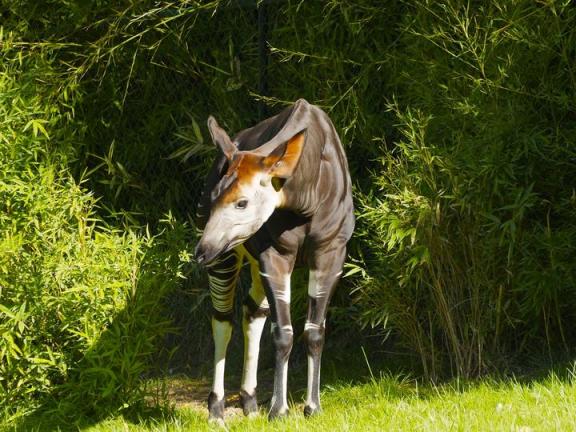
pixel 276 271
pixel 324 275
pixel 256 310
pixel 222 277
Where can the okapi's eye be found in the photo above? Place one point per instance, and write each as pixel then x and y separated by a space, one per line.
pixel 241 204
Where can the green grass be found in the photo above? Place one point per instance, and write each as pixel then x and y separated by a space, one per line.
pixel 391 403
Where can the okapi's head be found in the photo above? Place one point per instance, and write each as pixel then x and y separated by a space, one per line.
pixel 247 194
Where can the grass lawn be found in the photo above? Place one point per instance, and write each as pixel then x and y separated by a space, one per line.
pixel 387 403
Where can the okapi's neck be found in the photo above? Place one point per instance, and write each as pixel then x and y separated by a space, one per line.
pixel 300 191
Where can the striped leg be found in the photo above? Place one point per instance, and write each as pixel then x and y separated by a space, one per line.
pixel 222 276
pixel 276 272
pixel 256 310
pixel 324 276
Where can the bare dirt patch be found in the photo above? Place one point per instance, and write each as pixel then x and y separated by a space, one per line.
pixel 192 393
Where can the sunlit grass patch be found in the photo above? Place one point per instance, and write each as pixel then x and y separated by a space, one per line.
pixel 395 403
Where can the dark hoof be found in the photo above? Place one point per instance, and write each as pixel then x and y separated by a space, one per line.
pixel 216 408
pixel 277 412
pixel 249 403
pixel 309 411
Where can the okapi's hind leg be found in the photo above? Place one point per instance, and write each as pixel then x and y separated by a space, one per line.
pixel 222 277
pixel 324 275
pixel 256 310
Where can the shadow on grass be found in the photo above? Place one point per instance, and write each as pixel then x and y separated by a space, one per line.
pixel 96 390
pixel 116 375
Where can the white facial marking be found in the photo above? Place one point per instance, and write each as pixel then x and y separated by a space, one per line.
pixel 261 201
pixel 231 224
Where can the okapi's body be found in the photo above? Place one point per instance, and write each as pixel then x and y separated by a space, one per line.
pixel 279 196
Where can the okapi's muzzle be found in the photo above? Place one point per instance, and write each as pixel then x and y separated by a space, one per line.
pixel 200 254
pixel 205 254
pixel 219 236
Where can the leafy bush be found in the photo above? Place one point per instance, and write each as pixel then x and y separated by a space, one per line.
pixel 81 303
pixel 475 204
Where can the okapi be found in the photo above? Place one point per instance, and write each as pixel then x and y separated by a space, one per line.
pixel 279 196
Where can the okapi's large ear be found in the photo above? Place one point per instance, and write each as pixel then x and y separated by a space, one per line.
pixel 221 138
pixel 284 159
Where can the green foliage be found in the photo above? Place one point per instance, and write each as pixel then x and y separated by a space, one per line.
pixel 80 302
pixel 475 203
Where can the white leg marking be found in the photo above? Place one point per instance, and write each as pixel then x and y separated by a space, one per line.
pixel 221 331
pixel 314 289
pixel 310 325
pixel 265 304
pixel 284 294
pixel 281 384
pixel 252 333
pixel 311 388
pixel 284 384
pixel 287 288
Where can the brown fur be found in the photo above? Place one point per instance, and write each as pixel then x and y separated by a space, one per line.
pixel 284 161
pixel 244 165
